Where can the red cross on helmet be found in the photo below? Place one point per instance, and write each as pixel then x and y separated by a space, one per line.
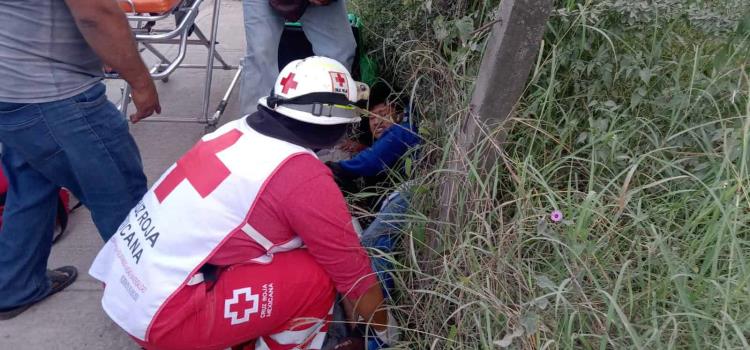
pixel 316 90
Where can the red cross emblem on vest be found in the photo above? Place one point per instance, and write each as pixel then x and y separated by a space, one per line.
pixel 288 83
pixel 200 167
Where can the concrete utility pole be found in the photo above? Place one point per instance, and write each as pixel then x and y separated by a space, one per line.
pixel 510 54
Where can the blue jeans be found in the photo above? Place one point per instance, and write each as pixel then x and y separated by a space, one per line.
pixel 81 143
pixel 381 236
pixel 326 27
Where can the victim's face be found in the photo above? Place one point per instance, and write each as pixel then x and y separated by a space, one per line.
pixel 385 116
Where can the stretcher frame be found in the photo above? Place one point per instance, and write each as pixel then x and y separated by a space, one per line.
pixel 185 14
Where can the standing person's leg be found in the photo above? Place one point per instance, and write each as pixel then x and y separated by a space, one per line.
pixel 29 213
pixel 81 143
pixel 283 305
pixel 99 160
pixel 263 29
pixel 106 167
pixel 329 31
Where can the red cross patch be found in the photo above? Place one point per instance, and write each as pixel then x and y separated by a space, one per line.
pixel 288 83
pixel 200 167
pixel 340 82
pixel 245 308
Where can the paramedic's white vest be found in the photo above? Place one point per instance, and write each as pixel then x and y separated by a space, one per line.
pixel 182 220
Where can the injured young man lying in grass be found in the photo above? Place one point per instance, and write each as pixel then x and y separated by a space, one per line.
pixel 246 239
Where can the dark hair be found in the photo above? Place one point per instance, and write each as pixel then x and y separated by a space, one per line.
pixel 380 92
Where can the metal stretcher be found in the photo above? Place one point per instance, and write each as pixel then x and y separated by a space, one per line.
pixel 144 15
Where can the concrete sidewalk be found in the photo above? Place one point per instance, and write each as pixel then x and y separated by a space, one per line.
pixel 73 319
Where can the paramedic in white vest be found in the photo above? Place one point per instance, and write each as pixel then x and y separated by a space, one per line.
pixel 247 238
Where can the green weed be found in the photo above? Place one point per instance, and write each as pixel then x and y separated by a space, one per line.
pixel 635 124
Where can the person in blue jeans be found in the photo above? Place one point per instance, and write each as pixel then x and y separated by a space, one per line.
pixel 326 25
pixel 394 134
pixel 58 129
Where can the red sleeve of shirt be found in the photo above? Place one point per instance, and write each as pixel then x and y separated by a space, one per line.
pixel 316 211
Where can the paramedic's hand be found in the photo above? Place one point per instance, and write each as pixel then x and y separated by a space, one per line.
pixel 146 100
pixel 320 2
pixel 390 334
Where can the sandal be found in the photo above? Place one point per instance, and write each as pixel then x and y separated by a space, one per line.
pixel 60 279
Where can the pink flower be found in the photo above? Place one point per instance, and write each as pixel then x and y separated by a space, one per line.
pixel 556 216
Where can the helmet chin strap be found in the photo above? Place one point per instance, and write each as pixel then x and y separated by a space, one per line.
pixel 328 98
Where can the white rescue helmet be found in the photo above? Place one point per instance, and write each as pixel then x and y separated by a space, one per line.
pixel 316 90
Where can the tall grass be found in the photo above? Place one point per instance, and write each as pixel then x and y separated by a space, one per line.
pixel 635 124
